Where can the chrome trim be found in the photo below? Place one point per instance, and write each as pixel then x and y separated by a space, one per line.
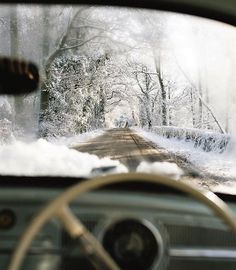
pixel 203 253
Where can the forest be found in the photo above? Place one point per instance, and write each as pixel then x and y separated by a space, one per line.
pixel 106 67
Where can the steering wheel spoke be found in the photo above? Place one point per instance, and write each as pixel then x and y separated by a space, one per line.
pixel 88 244
pixel 69 221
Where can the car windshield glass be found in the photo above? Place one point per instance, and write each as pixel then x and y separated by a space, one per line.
pixel 121 90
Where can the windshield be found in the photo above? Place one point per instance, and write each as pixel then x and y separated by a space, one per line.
pixel 121 90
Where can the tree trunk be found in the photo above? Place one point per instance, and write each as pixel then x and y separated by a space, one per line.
pixel 44 95
pixel 208 113
pixel 192 100
pixel 14 51
pixel 13 31
pixel 169 109
pixel 46 34
pixel 163 107
pixel 200 109
pixel 163 92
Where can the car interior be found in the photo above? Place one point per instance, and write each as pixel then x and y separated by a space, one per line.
pixel 129 220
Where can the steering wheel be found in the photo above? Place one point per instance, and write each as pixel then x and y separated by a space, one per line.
pixel 59 209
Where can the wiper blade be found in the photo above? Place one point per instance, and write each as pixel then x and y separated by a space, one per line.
pixel 103 170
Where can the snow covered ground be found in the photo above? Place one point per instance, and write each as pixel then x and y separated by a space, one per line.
pixel 56 157
pixel 213 163
pixel 77 139
pixel 162 168
pixel 53 158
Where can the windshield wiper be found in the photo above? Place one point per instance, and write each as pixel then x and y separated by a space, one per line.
pixel 103 170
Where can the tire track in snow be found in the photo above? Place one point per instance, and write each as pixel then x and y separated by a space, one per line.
pixel 130 149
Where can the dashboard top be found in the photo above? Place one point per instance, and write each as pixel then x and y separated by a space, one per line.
pixel 26 182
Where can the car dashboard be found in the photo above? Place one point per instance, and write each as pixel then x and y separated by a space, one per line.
pixel 141 229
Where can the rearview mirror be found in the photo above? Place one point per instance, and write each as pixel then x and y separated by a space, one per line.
pixel 17 77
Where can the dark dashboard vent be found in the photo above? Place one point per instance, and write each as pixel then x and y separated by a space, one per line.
pixel 71 256
pixel 182 235
pixel 89 221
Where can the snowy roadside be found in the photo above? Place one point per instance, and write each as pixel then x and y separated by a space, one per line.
pixel 53 158
pixel 77 139
pixel 212 163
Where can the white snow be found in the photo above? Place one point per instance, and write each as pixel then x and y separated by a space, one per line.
pixel 43 158
pixel 205 139
pixel 77 139
pixel 221 165
pixel 163 168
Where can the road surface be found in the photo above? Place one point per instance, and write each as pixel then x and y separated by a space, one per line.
pixel 130 149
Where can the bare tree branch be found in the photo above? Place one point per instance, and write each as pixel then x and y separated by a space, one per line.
pixel 80 44
pixel 200 98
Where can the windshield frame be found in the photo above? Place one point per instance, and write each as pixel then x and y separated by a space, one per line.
pixel 60 183
pixel 224 11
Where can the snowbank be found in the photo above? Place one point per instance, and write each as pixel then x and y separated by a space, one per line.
pixel 212 163
pixel 163 168
pixel 77 139
pixel 43 158
pixel 204 139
